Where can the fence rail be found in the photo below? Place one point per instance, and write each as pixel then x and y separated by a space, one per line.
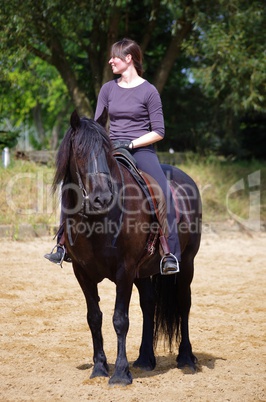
pixel 48 157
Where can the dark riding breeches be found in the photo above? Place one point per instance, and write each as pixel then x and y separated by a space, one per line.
pixel 148 162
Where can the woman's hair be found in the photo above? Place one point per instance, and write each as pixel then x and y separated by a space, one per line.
pixel 128 46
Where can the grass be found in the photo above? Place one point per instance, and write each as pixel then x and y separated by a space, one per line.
pixel 25 195
pixel 229 188
pixel 226 188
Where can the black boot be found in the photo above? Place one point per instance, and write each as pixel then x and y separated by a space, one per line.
pixel 58 256
pixel 169 264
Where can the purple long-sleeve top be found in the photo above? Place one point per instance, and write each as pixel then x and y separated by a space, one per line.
pixel 133 112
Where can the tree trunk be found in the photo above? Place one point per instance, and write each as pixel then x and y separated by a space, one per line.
pixel 78 96
pixel 150 26
pixel 54 141
pixel 37 118
pixel 171 55
pixel 111 38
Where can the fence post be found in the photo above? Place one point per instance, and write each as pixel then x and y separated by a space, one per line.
pixel 6 157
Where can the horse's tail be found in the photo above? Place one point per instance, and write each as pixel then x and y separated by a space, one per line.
pixel 167 315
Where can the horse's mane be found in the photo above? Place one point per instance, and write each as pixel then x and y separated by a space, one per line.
pixel 90 136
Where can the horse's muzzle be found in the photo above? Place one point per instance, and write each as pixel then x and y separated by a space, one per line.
pixel 99 194
pixel 100 202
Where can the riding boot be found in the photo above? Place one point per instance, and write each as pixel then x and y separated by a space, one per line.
pixel 58 256
pixel 61 254
pixel 169 263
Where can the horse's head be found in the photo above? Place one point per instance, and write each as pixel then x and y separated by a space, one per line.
pixel 90 163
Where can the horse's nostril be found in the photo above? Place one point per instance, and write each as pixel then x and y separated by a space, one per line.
pixel 97 200
pixel 101 201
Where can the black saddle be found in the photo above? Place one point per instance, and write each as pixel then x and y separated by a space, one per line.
pixel 124 157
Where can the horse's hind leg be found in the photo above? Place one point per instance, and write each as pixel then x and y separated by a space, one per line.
pixel 146 359
pixel 185 356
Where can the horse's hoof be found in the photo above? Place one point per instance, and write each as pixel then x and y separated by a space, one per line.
pixel 121 380
pixel 145 364
pixel 187 362
pixel 100 371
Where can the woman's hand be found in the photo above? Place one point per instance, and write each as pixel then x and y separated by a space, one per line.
pixel 125 144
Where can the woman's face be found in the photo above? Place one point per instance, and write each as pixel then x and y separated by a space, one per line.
pixel 118 65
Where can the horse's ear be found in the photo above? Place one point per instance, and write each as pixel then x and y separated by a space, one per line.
pixel 75 120
pixel 102 120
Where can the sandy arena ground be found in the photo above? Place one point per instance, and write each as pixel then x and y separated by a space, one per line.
pixel 46 348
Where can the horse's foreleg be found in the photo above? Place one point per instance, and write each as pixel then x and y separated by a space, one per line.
pixel 121 374
pixel 94 319
pixel 146 359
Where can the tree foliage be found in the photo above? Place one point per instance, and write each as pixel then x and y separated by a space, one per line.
pixel 231 68
pixel 203 56
pixel 8 139
pixel 231 56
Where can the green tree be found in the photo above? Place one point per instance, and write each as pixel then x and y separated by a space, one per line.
pixel 229 64
pixel 32 92
pixel 8 139
pixel 75 37
pixel 218 44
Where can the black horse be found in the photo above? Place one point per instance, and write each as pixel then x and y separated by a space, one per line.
pixel 107 229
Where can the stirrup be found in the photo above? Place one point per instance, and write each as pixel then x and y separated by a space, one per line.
pixel 63 256
pixel 170 271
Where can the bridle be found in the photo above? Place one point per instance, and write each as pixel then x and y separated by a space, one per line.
pixel 97 165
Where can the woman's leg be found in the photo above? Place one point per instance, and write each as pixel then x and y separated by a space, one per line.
pixel 147 161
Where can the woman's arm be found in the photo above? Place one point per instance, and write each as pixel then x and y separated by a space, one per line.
pixel 154 107
pixel 146 139
pixel 102 104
